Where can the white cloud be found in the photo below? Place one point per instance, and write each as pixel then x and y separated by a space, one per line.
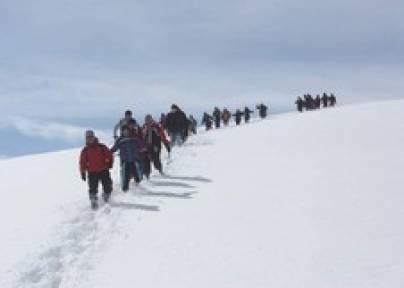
pixel 49 130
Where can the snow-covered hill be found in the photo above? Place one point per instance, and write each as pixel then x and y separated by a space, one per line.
pixel 300 200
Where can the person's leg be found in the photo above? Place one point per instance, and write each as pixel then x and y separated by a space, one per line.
pixel 157 161
pixel 146 167
pixel 126 176
pixel 106 182
pixel 138 172
pixel 92 185
pixel 133 172
pixel 93 179
pixel 173 137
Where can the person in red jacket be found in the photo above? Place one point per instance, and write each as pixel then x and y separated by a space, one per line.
pixel 95 162
pixel 153 135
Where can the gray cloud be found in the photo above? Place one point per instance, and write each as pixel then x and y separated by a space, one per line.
pixel 72 58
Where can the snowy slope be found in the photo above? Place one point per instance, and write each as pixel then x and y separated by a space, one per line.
pixel 300 200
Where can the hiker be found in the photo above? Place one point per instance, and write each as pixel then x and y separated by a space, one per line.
pixel 247 114
pixel 153 136
pixel 226 115
pixel 193 125
pixel 177 125
pixel 309 102
pixel 129 121
pixel 299 104
pixel 95 162
pixel 216 117
pixel 207 120
pixel 130 147
pixel 324 100
pixel 238 116
pixel 262 110
pixel 333 100
pixel 317 102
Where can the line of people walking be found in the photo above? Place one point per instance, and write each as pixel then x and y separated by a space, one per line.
pixel 218 117
pixel 308 102
pixel 139 148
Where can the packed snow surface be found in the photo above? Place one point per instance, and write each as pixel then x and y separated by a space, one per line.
pixel 298 200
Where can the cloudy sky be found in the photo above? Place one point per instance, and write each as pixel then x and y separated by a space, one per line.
pixel 81 62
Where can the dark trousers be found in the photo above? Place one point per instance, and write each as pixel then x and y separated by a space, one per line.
pixel 129 170
pixel 152 156
pixel 94 178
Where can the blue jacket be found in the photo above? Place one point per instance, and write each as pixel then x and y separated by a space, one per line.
pixel 129 148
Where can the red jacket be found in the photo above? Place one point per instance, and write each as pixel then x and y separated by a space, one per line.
pixel 95 158
pixel 160 132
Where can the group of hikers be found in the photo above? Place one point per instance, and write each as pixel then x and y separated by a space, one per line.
pixel 309 102
pixel 140 146
pixel 225 116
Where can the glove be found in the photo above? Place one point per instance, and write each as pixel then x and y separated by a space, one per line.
pixel 83 176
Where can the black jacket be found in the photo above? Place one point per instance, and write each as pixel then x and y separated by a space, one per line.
pixel 177 122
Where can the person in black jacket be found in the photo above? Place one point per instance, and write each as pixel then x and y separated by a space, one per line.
pixel 207 120
pixel 177 125
pixel 308 102
pixel 247 114
pixel 299 104
pixel 238 116
pixel 324 100
pixel 317 102
pixel 333 100
pixel 262 110
pixel 193 125
pixel 216 117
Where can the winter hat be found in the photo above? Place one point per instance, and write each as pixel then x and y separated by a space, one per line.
pixel 148 118
pixel 90 133
pixel 128 113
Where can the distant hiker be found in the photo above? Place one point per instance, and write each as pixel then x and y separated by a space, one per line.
pixel 153 136
pixel 216 117
pixel 299 104
pixel 128 121
pixel 95 161
pixel 317 102
pixel 226 115
pixel 262 110
pixel 238 116
pixel 207 120
pixel 333 100
pixel 193 124
pixel 247 114
pixel 129 151
pixel 177 125
pixel 324 100
pixel 308 102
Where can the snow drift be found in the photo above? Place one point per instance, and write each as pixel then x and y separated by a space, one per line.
pixel 299 200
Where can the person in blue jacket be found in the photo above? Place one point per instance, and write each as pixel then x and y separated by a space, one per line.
pixel 130 149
